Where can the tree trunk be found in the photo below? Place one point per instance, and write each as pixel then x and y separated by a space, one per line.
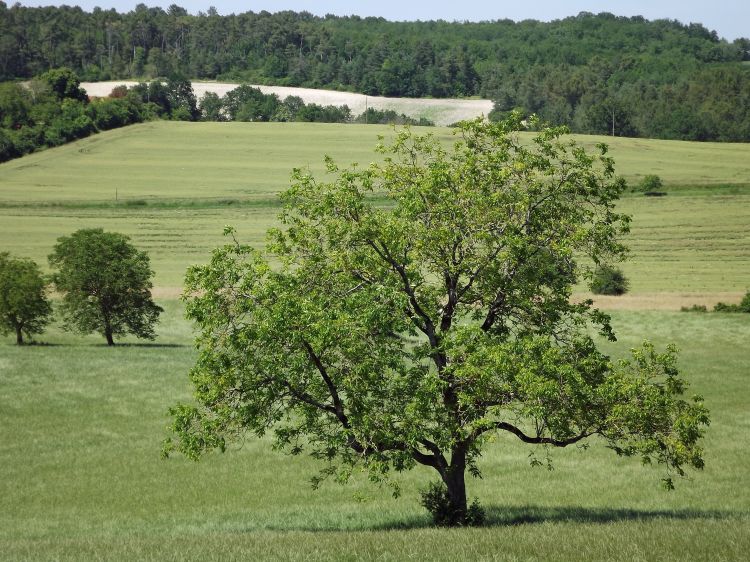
pixel 108 332
pixel 455 481
pixel 107 329
pixel 19 336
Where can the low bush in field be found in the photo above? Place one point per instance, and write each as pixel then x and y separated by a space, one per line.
pixel 744 306
pixel 609 280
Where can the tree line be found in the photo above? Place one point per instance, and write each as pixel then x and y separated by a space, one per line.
pixel 53 109
pixel 595 73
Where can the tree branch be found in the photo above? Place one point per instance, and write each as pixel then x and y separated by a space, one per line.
pixel 436 460
pixel 534 440
pixel 399 268
pixel 338 407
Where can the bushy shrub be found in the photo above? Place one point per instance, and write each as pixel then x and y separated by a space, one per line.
pixel 651 185
pixel 435 500
pixel 744 305
pixel 389 117
pixel 7 148
pixel 651 182
pixel 608 280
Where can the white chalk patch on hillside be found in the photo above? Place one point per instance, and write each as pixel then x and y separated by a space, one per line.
pixel 440 111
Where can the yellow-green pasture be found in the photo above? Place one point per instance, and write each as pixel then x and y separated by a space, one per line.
pixel 174 160
pixel 178 184
pixel 81 479
pixel 81 424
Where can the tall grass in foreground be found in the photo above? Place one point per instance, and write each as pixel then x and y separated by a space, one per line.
pixel 81 478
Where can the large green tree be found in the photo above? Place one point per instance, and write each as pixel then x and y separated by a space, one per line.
pixel 106 285
pixel 65 84
pixel 410 310
pixel 24 308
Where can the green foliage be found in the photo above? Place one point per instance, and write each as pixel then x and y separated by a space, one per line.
pixel 106 285
pixel 24 308
pixel 389 117
pixel 744 305
pixel 608 280
pixel 246 103
pixel 210 106
pixel 404 333
pixel 181 99
pixel 53 110
pixel 594 73
pixel 65 84
pixel 650 182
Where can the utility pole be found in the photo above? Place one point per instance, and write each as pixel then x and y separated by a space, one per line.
pixel 365 110
pixel 613 120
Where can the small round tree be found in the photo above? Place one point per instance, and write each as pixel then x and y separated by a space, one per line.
pixel 650 183
pixel 24 308
pixel 106 285
pixel 608 280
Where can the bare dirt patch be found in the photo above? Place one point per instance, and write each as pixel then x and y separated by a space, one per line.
pixel 441 111
pixel 660 301
pixel 637 301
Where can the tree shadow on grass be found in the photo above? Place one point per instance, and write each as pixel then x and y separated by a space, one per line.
pixel 139 345
pixel 43 344
pixel 531 514
pixel 154 345
pixel 509 516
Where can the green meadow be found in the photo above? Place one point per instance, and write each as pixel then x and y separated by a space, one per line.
pixel 81 425
pixel 178 161
pixel 173 186
pixel 81 477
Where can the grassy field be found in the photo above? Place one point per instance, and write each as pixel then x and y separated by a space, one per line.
pixel 81 424
pixel 81 478
pixel 178 184
pixel 173 160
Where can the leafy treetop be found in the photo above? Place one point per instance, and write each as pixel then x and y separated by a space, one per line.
pixel 24 307
pixel 423 305
pixel 106 284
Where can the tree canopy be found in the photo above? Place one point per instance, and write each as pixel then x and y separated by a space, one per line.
pixel 24 307
pixel 409 310
pixel 659 79
pixel 106 285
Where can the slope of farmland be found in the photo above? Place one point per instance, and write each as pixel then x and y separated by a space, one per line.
pixel 81 423
pixel 164 159
pixel 173 186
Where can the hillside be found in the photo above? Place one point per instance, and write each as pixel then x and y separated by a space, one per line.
pixel 651 79
pixel 173 186
pixel 82 423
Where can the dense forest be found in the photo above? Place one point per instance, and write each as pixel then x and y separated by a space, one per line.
pixel 597 73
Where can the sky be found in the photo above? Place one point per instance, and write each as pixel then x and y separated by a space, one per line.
pixel 729 18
